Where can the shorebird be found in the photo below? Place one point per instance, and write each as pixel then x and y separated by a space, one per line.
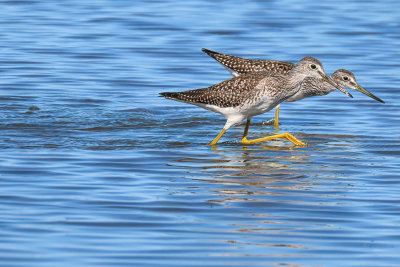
pixel 252 94
pixel 311 86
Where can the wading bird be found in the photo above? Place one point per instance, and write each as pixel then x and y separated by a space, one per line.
pixel 253 94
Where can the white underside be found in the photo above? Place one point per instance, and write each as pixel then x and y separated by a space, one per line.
pixel 235 115
pixel 232 115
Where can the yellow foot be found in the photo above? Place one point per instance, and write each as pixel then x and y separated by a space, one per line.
pixel 287 136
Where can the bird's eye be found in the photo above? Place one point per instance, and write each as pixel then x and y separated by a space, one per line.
pixel 313 66
pixel 345 78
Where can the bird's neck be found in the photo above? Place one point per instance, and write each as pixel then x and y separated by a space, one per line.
pixel 327 87
pixel 294 81
pixel 315 86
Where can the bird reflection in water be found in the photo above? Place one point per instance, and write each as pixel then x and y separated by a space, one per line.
pixel 270 193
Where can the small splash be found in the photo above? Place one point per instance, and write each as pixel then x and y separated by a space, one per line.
pixel 268 122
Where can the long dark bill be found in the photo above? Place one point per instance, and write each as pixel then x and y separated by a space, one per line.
pixel 327 79
pixel 365 92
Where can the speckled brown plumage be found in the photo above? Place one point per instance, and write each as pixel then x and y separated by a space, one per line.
pixel 239 66
pixel 229 93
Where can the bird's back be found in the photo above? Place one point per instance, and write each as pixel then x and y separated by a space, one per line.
pixel 229 93
pixel 239 66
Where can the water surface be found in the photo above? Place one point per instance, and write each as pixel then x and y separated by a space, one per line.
pixel 97 170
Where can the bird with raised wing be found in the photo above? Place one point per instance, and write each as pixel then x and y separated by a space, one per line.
pixel 310 87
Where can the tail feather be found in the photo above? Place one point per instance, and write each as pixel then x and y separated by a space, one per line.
pixel 171 95
pixel 211 53
pixel 190 96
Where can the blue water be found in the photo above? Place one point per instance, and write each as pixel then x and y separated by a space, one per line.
pixel 97 170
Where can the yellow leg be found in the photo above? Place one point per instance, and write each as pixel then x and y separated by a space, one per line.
pixel 246 129
pixel 214 142
pixel 287 136
pixel 276 120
